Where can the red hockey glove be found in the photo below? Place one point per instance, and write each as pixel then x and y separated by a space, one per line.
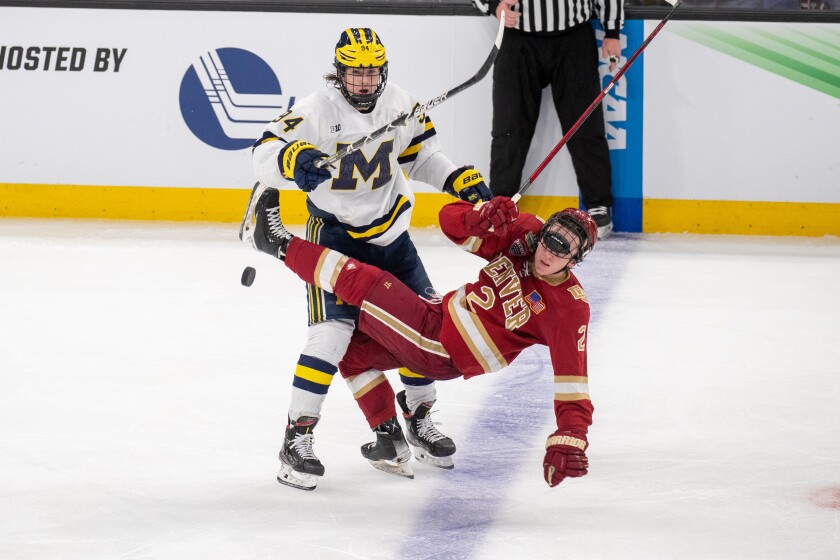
pixel 564 456
pixel 497 213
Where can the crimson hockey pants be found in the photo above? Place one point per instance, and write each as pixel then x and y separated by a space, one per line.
pixel 396 328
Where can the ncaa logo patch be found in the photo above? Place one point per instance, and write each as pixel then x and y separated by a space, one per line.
pixel 228 96
pixel 518 248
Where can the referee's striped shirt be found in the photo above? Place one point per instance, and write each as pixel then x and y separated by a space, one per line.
pixel 550 16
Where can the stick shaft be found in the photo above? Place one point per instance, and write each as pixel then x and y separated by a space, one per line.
pixel 596 102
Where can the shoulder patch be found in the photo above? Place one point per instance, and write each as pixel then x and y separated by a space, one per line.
pixel 532 241
pixel 578 293
pixel 522 247
pixel 518 248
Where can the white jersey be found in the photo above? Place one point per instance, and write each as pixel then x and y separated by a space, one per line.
pixel 368 193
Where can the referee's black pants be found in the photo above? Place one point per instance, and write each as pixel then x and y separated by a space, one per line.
pixel 526 64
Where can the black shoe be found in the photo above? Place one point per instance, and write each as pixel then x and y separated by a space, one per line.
pixel 390 452
pixel 602 215
pixel 431 445
pixel 269 234
pixel 297 450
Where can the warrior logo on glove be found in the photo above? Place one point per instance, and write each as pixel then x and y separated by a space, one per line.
pixel 564 457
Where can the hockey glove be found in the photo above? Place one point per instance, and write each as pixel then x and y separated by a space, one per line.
pixel 297 163
pixel 467 184
pixel 486 217
pixel 564 456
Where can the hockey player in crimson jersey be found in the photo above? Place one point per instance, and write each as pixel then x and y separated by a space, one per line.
pixel 525 295
pixel 362 208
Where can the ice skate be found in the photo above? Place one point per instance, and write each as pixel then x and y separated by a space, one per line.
pixel 429 445
pixel 390 452
pixel 300 468
pixel 603 219
pixel 262 226
pixel 246 229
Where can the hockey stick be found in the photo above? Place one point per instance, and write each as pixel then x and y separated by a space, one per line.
pixel 246 227
pixel 420 109
pixel 676 4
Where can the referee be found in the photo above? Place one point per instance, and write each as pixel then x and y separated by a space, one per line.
pixel 550 42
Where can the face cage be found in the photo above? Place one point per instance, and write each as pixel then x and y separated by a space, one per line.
pixel 361 101
pixel 557 245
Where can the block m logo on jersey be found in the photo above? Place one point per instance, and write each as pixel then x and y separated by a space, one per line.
pixel 347 179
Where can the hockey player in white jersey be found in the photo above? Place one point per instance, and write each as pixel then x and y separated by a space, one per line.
pixel 361 207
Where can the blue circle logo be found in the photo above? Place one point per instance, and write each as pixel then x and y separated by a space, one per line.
pixel 228 96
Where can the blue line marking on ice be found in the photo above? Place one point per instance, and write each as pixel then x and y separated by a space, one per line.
pixel 463 507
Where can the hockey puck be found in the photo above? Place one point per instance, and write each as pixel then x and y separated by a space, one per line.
pixel 248 276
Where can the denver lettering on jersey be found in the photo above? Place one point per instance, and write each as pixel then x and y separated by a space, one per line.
pixel 503 274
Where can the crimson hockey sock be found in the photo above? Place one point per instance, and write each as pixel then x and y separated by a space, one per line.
pixel 377 404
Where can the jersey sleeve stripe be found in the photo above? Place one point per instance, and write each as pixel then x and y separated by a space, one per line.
pixel 266 137
pixel 571 388
pixel 429 132
pixel 410 151
pixel 571 397
pixel 413 149
pixel 571 379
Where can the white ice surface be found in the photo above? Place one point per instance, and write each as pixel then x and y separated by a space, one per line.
pixel 143 394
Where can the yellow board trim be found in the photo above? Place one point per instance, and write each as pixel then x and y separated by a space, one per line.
pixel 122 203
pixel 808 219
pixel 20 200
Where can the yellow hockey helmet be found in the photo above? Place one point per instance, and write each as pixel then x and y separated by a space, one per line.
pixel 360 47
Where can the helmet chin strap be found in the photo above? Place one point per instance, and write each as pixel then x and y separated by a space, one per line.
pixel 363 107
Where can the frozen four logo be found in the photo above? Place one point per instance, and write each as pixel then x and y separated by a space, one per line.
pixel 228 95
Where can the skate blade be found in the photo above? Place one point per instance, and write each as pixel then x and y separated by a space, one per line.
pixel 440 462
pixel 246 228
pixel 391 467
pixel 290 477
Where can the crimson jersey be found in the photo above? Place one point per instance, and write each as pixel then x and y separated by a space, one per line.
pixel 487 323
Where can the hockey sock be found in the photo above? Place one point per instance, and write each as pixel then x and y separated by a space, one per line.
pixel 374 396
